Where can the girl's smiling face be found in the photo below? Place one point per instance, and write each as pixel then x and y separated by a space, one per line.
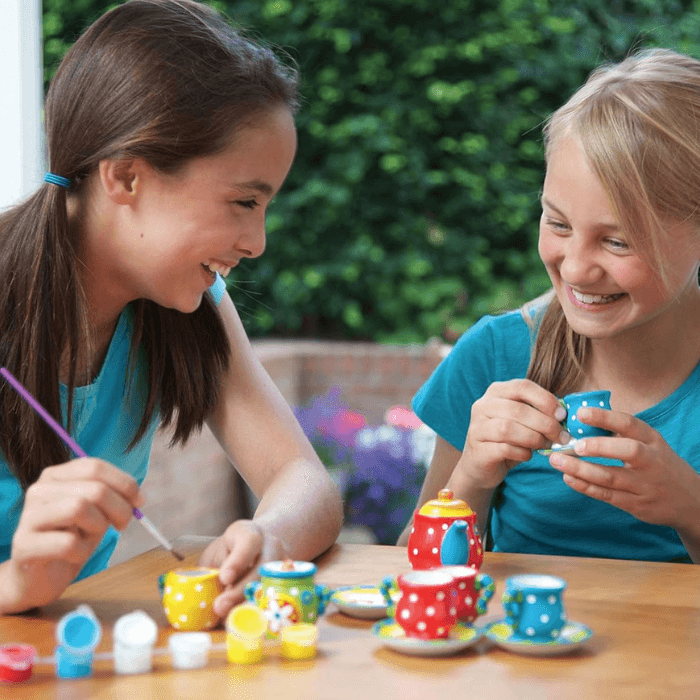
pixel 177 229
pixel 605 288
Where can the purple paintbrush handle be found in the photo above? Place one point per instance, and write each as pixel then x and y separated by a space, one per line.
pixel 57 427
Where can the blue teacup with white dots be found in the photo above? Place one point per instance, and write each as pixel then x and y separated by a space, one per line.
pixel 584 399
pixel 534 606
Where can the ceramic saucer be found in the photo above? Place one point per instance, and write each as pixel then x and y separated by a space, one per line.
pixel 365 602
pixel 567 449
pixel 462 635
pixel 572 636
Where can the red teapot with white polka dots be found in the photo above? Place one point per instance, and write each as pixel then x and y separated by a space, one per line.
pixel 445 534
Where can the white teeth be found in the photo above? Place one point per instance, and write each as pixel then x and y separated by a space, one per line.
pixel 223 270
pixel 595 298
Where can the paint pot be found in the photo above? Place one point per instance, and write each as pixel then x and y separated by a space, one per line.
pixel 16 662
pixel 299 641
pixel 246 626
pixel 189 649
pixel 134 638
pixel 78 633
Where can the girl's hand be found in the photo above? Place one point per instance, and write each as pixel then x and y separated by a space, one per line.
pixel 655 484
pixel 65 516
pixel 507 423
pixel 237 554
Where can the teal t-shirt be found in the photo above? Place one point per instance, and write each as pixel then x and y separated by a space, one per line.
pixel 534 511
pixel 106 415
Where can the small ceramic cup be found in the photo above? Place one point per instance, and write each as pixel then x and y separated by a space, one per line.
pixel 188 596
pixel 534 606
pixel 427 608
pixel 474 590
pixel 584 399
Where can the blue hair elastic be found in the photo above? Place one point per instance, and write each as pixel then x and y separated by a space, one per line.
pixel 57 180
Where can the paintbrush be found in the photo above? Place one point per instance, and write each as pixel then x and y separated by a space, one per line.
pixel 79 452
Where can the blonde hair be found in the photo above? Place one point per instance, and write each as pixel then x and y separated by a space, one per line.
pixel 638 122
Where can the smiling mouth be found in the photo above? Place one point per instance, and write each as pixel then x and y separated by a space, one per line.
pixel 595 298
pixel 214 267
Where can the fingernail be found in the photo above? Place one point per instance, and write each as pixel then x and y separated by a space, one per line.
pixel 556 459
pixel 564 437
pixel 580 447
pixel 560 414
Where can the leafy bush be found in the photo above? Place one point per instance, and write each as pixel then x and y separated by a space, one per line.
pixel 412 207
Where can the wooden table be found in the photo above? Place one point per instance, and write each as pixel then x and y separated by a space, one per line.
pixel 645 616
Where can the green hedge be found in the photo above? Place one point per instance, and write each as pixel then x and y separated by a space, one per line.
pixel 412 207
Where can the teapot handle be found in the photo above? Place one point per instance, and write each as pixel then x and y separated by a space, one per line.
pixel 486 587
pixel 324 595
pixel 387 586
pixel 511 604
pixel 252 587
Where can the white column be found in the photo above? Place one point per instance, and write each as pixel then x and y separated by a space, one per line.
pixel 21 99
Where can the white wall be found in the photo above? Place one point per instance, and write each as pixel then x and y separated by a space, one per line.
pixel 21 75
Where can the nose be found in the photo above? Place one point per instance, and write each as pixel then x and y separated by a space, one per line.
pixel 251 241
pixel 578 266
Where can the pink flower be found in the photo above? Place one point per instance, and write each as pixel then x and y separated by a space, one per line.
pixel 343 426
pixel 402 417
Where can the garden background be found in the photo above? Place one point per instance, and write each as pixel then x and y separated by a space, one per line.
pixel 413 204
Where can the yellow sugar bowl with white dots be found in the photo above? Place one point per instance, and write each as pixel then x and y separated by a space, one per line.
pixel 188 598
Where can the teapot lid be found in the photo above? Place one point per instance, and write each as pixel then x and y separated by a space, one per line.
pixel 446 506
pixel 287 568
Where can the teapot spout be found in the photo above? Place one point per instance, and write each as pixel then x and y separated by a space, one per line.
pixel 454 550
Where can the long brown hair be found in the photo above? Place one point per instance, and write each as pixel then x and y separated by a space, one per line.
pixel 637 122
pixel 162 80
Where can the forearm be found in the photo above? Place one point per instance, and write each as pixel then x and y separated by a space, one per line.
pixel 30 586
pixel 308 518
pixel 478 499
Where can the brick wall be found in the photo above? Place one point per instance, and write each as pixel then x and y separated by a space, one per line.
pixel 195 490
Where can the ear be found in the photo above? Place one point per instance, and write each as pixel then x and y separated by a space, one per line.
pixel 120 179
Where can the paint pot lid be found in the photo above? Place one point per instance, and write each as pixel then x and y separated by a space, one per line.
pixel 136 629
pixel 79 631
pixel 287 568
pixel 446 506
pixel 16 662
pixel 246 620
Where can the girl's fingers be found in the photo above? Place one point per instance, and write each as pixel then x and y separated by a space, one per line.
pixel 517 414
pixel 244 541
pixel 68 512
pixel 232 595
pixel 622 424
pixel 625 449
pixel 527 392
pixel 596 480
pixel 65 545
pixel 43 495
pixel 90 469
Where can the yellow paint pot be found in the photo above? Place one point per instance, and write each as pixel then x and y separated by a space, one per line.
pixel 245 627
pixel 299 641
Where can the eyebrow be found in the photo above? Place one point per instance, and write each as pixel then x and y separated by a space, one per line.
pixel 256 186
pixel 546 203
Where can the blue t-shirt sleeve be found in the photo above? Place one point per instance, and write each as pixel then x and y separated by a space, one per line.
pixel 444 402
pixel 218 289
pixel 496 348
